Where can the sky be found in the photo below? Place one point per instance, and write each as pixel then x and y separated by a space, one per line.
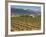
pixel 35 8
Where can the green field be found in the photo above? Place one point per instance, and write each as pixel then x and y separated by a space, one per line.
pixel 25 23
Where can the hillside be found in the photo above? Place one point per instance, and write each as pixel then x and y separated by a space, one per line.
pixel 25 23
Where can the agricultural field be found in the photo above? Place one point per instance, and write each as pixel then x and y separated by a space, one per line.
pixel 25 23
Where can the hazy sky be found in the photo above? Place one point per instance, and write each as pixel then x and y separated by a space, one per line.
pixel 35 8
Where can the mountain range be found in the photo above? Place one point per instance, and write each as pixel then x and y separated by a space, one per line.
pixel 19 11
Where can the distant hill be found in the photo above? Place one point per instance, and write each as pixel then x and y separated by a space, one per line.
pixel 17 11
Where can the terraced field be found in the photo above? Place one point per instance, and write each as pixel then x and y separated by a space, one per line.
pixel 25 23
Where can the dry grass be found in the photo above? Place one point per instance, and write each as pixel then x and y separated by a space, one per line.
pixel 25 23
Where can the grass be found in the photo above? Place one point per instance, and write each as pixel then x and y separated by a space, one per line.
pixel 25 23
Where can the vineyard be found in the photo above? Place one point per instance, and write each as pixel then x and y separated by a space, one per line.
pixel 25 23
